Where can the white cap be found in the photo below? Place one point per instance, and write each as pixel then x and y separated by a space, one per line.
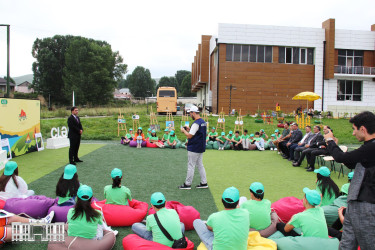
pixel 193 109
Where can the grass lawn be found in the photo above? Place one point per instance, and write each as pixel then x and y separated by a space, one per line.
pixel 150 170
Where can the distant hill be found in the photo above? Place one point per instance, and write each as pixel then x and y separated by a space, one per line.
pixel 21 79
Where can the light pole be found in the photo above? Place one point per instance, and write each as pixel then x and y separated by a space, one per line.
pixel 230 87
pixel 8 42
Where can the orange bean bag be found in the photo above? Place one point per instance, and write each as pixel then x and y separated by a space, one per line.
pixel 187 214
pixel 122 215
pixel 133 241
pixel 287 207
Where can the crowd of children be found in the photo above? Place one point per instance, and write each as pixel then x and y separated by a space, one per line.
pixel 234 222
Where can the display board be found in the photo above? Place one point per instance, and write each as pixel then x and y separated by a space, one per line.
pixel 19 122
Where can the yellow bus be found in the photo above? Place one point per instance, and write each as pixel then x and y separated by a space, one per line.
pixel 166 100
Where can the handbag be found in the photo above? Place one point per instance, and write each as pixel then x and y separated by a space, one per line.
pixel 179 243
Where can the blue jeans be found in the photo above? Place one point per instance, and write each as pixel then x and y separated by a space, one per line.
pixel 206 236
pixel 140 230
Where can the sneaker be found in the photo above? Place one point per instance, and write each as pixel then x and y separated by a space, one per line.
pixel 310 169
pixel 115 232
pixel 184 186
pixel 202 185
pixel 261 149
pixel 48 218
pixel 278 152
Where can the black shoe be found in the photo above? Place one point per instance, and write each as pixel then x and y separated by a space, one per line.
pixel 73 163
pixel 78 160
pixel 310 169
pixel 184 186
pixel 290 159
pixel 202 185
pixel 307 167
pixel 296 164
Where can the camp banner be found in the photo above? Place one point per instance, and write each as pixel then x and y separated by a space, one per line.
pixel 19 122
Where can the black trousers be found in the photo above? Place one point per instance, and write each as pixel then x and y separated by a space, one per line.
pixel 74 147
pixel 283 148
pixel 280 227
pixel 238 147
pixel 311 157
pixel 334 231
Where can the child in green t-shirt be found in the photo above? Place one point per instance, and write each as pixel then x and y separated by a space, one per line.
pixel 259 208
pixel 128 137
pixel 213 134
pixel 148 133
pixel 172 140
pixel 228 139
pixel 259 141
pixel 155 140
pixel 221 141
pixel 263 134
pixel 237 141
pixel 311 221
pixel 326 186
pixel 245 140
pixel 269 144
pixel 115 193
pixel 165 136
pixel 67 186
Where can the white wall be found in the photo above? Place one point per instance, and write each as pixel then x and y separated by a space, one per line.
pixel 355 39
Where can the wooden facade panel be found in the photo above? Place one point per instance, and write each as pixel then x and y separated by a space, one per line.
pixel 369 58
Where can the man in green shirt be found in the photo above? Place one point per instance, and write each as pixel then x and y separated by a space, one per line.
pixel 259 208
pixel 228 139
pixel 213 134
pixel 168 219
pixel 221 141
pixel 227 229
pixel 311 221
pixel 237 141
pixel 245 140
pixel 263 134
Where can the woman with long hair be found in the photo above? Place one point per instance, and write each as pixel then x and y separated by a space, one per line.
pixel 326 186
pixel 116 193
pixel 12 185
pixel 139 137
pixel 67 186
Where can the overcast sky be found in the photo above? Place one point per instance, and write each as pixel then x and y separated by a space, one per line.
pixel 159 35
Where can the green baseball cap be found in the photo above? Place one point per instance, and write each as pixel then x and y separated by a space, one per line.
pixel 172 132
pixel 222 133
pixel 273 135
pixel 324 171
pixel 149 129
pixel 116 172
pixel 251 135
pixel 257 187
pixel 153 131
pixel 345 188
pixel 312 196
pixel 157 199
pixel 276 131
pixel 69 171
pixel 84 192
pixel 231 193
pixel 262 130
pixel 131 129
pixel 140 128
pixel 350 175
pixel 166 130
pixel 10 166
pixel 230 132
pixel 213 128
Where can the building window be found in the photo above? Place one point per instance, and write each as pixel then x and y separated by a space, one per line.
pixel 296 55
pixel 348 90
pixel 249 53
pixel 350 58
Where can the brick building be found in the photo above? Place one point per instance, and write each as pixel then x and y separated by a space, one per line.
pixel 255 66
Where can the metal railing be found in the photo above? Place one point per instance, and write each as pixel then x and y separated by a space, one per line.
pixel 355 70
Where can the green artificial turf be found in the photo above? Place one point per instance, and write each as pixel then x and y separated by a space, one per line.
pixel 150 170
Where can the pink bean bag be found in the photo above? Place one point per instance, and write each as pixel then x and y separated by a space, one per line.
pixel 187 214
pixel 151 145
pixel 2 204
pixel 34 206
pixel 287 207
pixel 134 144
pixel 133 241
pixel 121 215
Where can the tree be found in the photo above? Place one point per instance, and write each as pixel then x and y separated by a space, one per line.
pixel 186 87
pixel 140 83
pixel 166 81
pixel 180 75
pixel 10 79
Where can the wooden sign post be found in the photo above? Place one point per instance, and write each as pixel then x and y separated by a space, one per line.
pixel 238 124
pixel 169 123
pixel 135 119
pixel 221 121
pixel 121 124
pixel 154 124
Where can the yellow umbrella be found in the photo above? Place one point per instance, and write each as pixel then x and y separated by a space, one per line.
pixel 308 96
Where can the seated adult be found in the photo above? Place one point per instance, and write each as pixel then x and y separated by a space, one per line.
pixel 296 136
pixel 285 135
pixel 245 140
pixel 263 135
pixel 12 185
pixel 311 221
pixel 259 141
pixel 301 144
pixel 237 141
pixel 259 209
pixel 300 152
pixel 168 218
pixel 213 134
pixel 155 140
pixel 227 229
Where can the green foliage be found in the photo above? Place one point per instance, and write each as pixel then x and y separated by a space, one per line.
pixel 180 75
pixel 185 89
pixel 67 63
pixel 140 83
pixel 10 79
pixel 19 95
pixel 166 81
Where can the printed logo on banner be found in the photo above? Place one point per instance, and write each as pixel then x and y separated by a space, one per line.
pixel 4 101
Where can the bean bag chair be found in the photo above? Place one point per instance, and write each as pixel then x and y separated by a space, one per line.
pixel 134 144
pixel 215 145
pixel 187 214
pixel 209 145
pixel 78 243
pixel 121 215
pixel 151 145
pixel 254 242
pixel 280 125
pixel 2 204
pixel 258 120
pixel 252 147
pixel 34 206
pixel 133 241
pixel 271 229
pixel 227 147
pixel 287 207
pixel 331 211
pixel 306 243
pixel 178 144
pixel 61 212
